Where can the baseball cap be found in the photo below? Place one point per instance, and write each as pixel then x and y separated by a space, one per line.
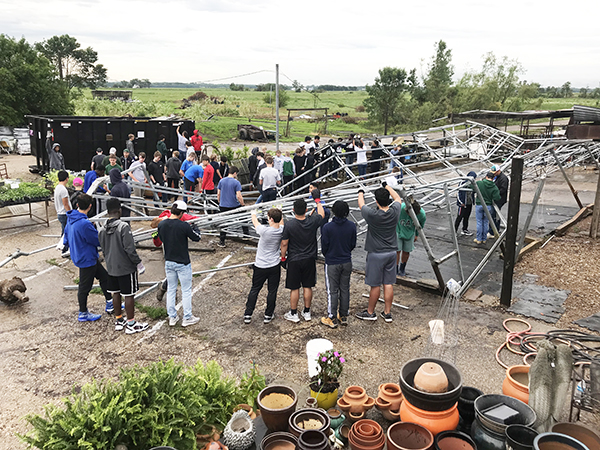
pixel 99 150
pixel 495 168
pixel 77 181
pixel 113 151
pixel 180 205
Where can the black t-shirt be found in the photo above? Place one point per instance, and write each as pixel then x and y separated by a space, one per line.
pixel 302 235
pixel 174 235
pixel 299 163
pixel 97 160
pixel 156 169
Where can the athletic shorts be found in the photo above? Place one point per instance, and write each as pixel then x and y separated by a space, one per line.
pixel 301 273
pixel 406 245
pixel 125 285
pixel 380 269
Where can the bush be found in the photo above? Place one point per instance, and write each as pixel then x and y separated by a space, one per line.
pixel 197 96
pixel 351 120
pixel 360 108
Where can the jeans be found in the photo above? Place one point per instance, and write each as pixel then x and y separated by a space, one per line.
pixel 272 275
pixel 269 195
pixel 86 281
pixel 183 273
pixel 62 218
pixel 362 170
pixel 223 234
pixel 337 281
pixel 188 186
pixel 496 219
pixel 482 222
pixel 464 212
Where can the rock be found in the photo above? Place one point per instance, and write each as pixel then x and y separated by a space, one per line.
pixel 473 294
pixel 13 291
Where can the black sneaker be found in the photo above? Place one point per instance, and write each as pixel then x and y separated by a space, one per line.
pixel 221 244
pixel 247 319
pixel 364 315
pixel 268 319
pixel 135 327
pixel 120 324
pixel 387 317
pixel 343 320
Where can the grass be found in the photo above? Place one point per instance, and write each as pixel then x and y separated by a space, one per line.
pixel 52 262
pixel 155 313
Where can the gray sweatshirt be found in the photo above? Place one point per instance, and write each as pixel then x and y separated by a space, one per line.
pixel 56 158
pixel 118 247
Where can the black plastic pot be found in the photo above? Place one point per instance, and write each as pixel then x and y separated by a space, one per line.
pixel 519 437
pixel 466 407
pixel 425 400
pixel 453 440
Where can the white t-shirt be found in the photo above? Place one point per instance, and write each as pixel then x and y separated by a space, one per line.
pixel 138 171
pixel 361 155
pixel 61 192
pixel 268 253
pixel 270 177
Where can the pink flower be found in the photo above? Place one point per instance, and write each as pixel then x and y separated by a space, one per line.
pixel 336 353
pixel 342 360
pixel 324 359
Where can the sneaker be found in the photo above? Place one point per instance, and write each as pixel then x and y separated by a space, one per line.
pixel 268 319
pixel 247 319
pixel 387 317
pixel 476 241
pixel 401 273
pixel 364 315
pixel 306 315
pixel 135 327
pixel 490 236
pixel 88 317
pixel 66 254
pixel 191 321
pixel 343 320
pixel 291 317
pixel 466 233
pixel 221 244
pixel 173 321
pixel 331 323
pixel 109 307
pixel 120 324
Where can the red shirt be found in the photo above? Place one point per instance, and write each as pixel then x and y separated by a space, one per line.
pixel 207 179
pixel 185 217
pixel 196 141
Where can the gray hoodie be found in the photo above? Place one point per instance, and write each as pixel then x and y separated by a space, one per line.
pixel 118 247
pixel 56 158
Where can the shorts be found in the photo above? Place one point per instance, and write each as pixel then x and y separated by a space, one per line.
pixel 125 285
pixel 380 269
pixel 301 273
pixel 406 245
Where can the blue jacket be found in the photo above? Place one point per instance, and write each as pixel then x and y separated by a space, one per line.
pixel 466 195
pixel 338 239
pixel 82 238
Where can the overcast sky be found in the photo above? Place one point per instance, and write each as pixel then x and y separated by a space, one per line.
pixel 316 42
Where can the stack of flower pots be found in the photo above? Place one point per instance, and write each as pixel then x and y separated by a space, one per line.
pixel 437 411
pixel 366 434
pixel 309 418
pixel 355 403
pixel 313 440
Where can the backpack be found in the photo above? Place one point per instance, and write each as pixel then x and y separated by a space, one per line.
pixel 74 197
pixel 288 168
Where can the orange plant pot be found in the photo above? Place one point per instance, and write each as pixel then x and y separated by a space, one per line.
pixel 434 421
pixel 388 401
pixel 512 385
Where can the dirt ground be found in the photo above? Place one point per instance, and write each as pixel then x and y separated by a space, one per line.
pixel 45 352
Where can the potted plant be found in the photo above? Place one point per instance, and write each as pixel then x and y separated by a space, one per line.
pixel 324 386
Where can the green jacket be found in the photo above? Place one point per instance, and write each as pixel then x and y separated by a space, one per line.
pixel 489 191
pixel 405 228
pixel 162 148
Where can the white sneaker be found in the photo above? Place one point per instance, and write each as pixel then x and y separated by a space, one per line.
pixel 306 315
pixel 291 317
pixel 191 321
pixel 173 321
pixel 490 236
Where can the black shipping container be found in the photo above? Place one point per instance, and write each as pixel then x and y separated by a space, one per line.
pixel 80 136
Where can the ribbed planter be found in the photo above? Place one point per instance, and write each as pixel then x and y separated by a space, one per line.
pixel 239 433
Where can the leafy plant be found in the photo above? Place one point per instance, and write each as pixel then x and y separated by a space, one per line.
pixel 153 312
pixel 331 364
pixel 96 290
pixel 25 191
pixel 251 385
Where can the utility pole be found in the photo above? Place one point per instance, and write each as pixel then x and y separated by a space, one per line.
pixel 512 227
pixel 276 106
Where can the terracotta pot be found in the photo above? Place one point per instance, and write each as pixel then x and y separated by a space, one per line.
pixel 313 440
pixel 325 400
pixel 514 383
pixel 276 419
pixel 355 402
pixel 246 408
pixel 434 421
pixel 454 440
pixel 587 436
pixel 557 441
pixel 279 440
pixel 430 377
pixel 335 417
pixel 519 437
pixel 388 401
pixel 408 436
pixel 366 434
pixel 308 414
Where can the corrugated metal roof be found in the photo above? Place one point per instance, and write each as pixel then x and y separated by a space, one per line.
pixel 586 114
pixel 485 114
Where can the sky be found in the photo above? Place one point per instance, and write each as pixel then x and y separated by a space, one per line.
pixel 316 42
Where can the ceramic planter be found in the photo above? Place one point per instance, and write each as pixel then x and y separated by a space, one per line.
pixel 519 437
pixel 587 436
pixel 557 441
pixel 325 400
pixel 279 440
pixel 454 440
pixel 430 377
pixel 342 433
pixel 355 403
pixel 239 433
pixel 434 421
pixel 366 434
pixel 388 401
pixel 335 417
pixel 247 408
pixel 301 420
pixel 276 418
pixel 313 440
pixel 466 407
pixel 408 436
pixel 514 384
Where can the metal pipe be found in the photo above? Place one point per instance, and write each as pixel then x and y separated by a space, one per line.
pixel 536 198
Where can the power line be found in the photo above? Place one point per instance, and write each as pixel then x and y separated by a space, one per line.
pixel 235 76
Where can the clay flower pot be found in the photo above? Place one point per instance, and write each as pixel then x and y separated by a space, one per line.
pixel 408 436
pixel 309 419
pixel 325 400
pixel 587 436
pixel 388 401
pixel 430 377
pixel 454 440
pixel 557 441
pixel 355 402
pixel 277 409
pixel 246 408
pixel 279 440
pixel 516 383
pixel 366 435
pixel 335 417
pixel 434 421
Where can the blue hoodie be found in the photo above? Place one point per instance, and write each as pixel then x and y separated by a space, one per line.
pixel 338 239
pixel 82 238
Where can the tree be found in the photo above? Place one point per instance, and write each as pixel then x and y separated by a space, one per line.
pixel 284 97
pixel 237 87
pixel 386 97
pixel 28 84
pixel 296 86
pixel 76 66
pixel 583 92
pixel 439 76
pixel 565 90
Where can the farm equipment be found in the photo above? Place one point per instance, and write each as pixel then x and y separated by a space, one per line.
pixel 254 133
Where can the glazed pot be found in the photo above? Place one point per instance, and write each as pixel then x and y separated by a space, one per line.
pixel 388 401
pixel 308 415
pixel 557 441
pixel 486 439
pixel 325 400
pixel 335 417
pixel 408 436
pixel 454 440
pixel 366 435
pixel 279 440
pixel 519 437
pixel 430 377
pixel 342 433
pixel 466 408
pixel 355 402
pixel 313 440
pixel 585 435
pixel 276 418
pixel 239 434
pixel 434 421
pixel 311 402
pixel 516 383
pixel 425 400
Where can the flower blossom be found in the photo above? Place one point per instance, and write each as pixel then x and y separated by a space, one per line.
pixel 342 360
pixel 336 353
pixel 324 359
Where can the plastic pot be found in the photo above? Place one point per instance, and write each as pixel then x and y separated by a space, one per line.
pixel 526 415
pixel 279 440
pixel 325 400
pixel 557 441
pixel 519 437
pixel 408 436
pixel 308 414
pixel 513 385
pixel 277 419
pixel 454 440
pixel 434 421
pixel 585 435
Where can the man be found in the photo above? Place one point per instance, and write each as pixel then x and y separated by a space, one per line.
pixel 192 180
pixel 173 175
pixel 381 245
pixel 260 158
pixel 126 159
pixel 119 189
pixel 229 196
pixel 81 238
pixel 161 147
pixel 196 141
pixel 182 139
pixel 97 159
pixel 112 164
pixel 501 181
pixel 156 170
pixel 376 155
pixel 490 194
pixel 278 162
pixel 267 265
pixel 208 177
pixel 300 165
pixel 88 180
pixel 106 159
pixel 312 187
pixel 288 172
pixel 56 158
pixel 62 203
pixel 189 161
pixel 252 163
pixel 407 233
pixel 122 262
pixel 174 234
pixel 137 174
pixel 269 179
pixel 130 146
pixel 299 255
pixel 464 201
pixel 338 239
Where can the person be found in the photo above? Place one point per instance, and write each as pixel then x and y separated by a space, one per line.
pixel 190 160
pixel 326 165
pixel 464 200
pixel 267 264
pixel 97 159
pixel 229 196
pixel 338 239
pixel 315 186
pixel 129 145
pixel 407 233
pixel 62 202
pixel 215 165
pixel 223 168
pixel 288 172
pixel 490 193
pixel 161 147
pixel 78 186
pixel 112 164
pixel 278 162
pixel 269 179
pixel 392 180
pixel 339 149
pixel 307 144
pixel 501 181
pixel 252 163
pixel 299 255
pixel 310 164
pixel 137 174
pixel 126 159
pixel 361 158
pixel 260 165
pixel 192 180
pixel 56 158
pixel 376 155
pixel 174 234
pixel 81 238
pixel 300 166
pixel 196 141
pixel 122 260
pixel 173 173
pixel 182 139
pixel 156 170
pixel 208 183
pixel 119 190
pixel 106 159
pixel 88 180
pixel 381 245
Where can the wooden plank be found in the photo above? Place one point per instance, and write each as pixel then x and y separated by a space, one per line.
pixel 562 229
